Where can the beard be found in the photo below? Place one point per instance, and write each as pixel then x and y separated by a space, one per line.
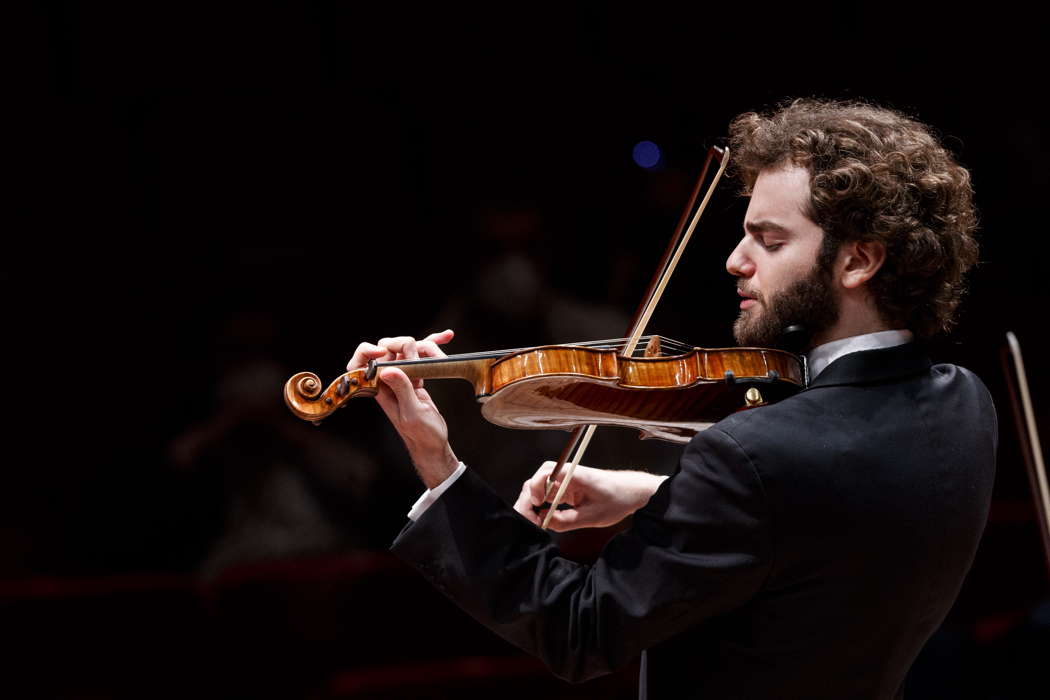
pixel 808 302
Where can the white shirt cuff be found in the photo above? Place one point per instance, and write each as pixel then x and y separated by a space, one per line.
pixel 431 495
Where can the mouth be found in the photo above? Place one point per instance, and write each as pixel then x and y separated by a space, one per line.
pixel 748 300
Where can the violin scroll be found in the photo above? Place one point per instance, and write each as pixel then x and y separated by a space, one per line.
pixel 302 393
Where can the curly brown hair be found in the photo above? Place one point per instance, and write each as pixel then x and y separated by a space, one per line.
pixel 875 174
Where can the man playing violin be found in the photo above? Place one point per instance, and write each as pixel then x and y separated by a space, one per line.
pixel 804 549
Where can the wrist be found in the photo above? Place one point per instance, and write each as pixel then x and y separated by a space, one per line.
pixel 435 468
pixel 645 485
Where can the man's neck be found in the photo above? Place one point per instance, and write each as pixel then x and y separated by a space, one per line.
pixel 856 317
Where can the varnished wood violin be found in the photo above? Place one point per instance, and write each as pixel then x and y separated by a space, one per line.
pixel 667 390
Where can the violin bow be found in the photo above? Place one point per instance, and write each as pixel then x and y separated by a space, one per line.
pixel 581 436
pixel 1024 418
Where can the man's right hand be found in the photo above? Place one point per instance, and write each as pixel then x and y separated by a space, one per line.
pixel 597 497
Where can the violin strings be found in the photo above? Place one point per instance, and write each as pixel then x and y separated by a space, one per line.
pixel 607 344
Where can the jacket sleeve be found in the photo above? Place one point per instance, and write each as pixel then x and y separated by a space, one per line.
pixel 699 548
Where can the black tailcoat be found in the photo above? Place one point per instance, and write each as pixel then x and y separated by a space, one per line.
pixel 806 549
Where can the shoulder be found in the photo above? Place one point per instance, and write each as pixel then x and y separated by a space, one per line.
pixel 959 378
pixel 950 387
pixel 959 392
pixel 819 418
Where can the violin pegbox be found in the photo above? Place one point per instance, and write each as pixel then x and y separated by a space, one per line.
pixel 304 397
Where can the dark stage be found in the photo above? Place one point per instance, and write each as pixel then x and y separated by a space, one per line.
pixel 207 200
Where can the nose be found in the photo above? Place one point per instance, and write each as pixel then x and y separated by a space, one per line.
pixel 739 264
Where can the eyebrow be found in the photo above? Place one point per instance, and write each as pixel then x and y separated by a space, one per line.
pixel 765 226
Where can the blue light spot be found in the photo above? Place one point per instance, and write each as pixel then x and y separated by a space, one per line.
pixel 646 154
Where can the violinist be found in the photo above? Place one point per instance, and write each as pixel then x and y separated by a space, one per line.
pixel 803 549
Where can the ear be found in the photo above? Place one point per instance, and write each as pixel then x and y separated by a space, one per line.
pixel 859 261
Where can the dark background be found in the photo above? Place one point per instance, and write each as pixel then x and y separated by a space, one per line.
pixel 205 200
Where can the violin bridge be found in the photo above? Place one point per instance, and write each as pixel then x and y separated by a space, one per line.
pixel 652 348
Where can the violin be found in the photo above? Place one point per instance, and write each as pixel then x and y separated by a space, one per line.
pixel 667 390
pixel 581 386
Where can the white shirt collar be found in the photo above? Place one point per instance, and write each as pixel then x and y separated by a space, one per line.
pixel 823 355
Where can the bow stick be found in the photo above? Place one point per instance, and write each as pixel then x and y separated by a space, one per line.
pixel 1024 417
pixel 582 436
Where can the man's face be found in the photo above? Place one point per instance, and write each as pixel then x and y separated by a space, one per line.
pixel 775 262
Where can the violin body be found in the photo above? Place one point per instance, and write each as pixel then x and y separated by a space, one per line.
pixel 566 386
pixel 671 398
